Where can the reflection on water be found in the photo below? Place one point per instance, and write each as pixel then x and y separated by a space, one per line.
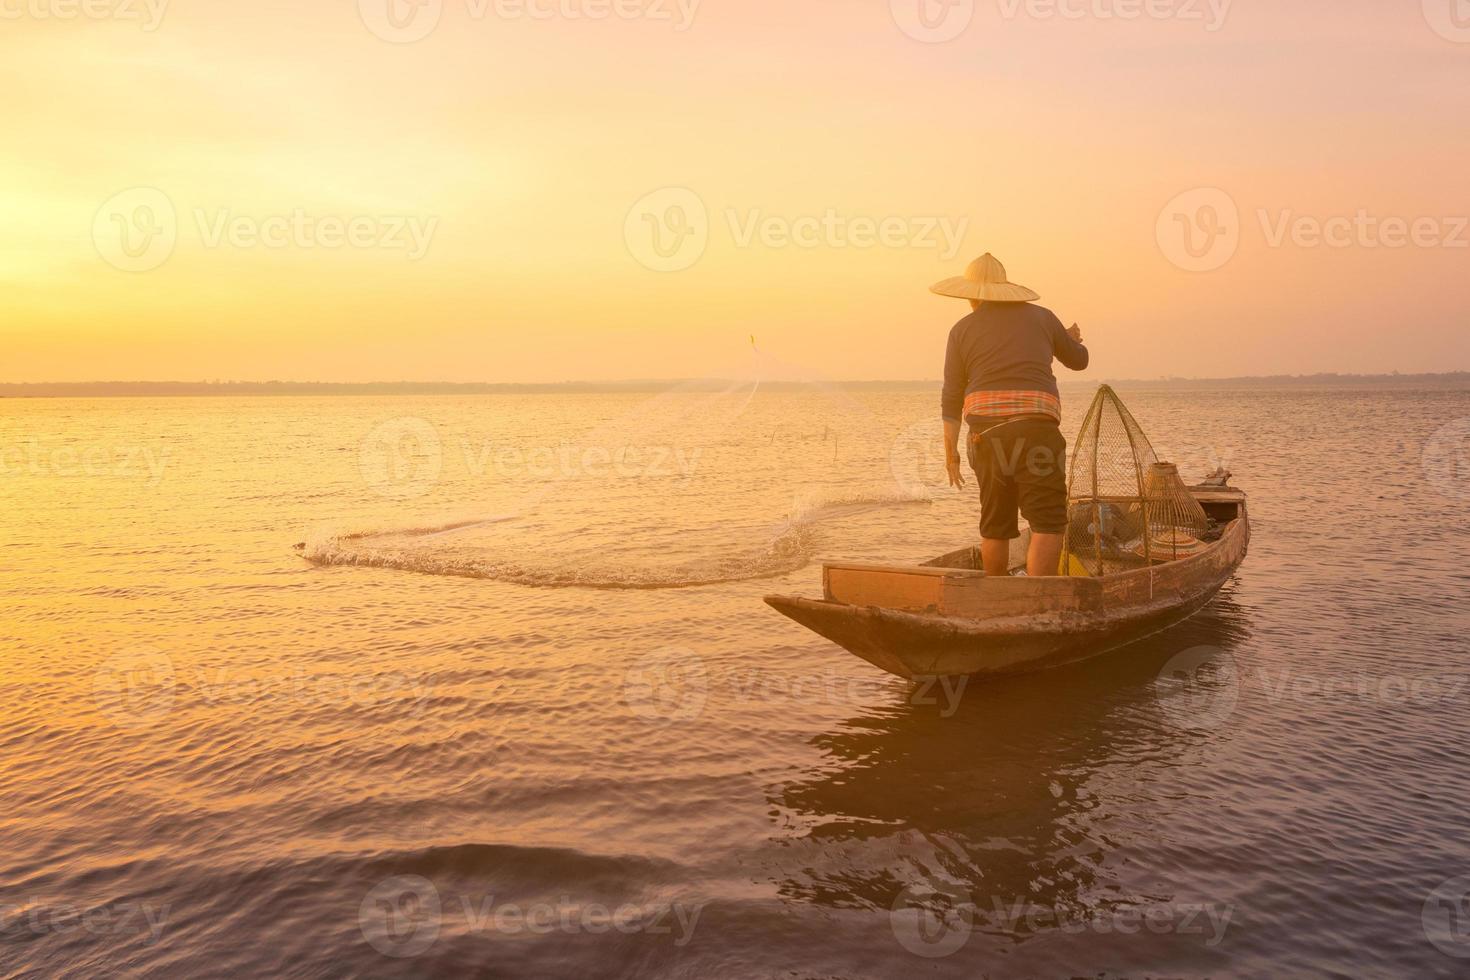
pixel 1008 794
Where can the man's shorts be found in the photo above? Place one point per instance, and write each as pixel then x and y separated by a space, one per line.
pixel 1020 464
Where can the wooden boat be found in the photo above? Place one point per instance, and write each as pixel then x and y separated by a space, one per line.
pixel 947 618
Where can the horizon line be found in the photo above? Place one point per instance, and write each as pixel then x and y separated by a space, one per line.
pixel 217 386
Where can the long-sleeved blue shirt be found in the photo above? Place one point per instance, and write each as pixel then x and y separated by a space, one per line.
pixel 1005 347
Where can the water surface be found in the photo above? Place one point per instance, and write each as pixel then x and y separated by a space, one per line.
pixel 526 715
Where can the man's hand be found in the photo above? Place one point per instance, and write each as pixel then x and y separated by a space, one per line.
pixel 952 452
pixel 1075 332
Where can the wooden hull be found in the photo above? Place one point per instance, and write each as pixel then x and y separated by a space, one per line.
pixel 917 621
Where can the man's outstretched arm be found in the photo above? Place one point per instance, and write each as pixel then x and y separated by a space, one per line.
pixel 1068 348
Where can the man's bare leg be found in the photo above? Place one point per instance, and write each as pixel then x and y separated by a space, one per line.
pixel 996 556
pixel 1043 556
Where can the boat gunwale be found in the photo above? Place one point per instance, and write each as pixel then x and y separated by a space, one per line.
pixel 1034 624
pixel 1053 621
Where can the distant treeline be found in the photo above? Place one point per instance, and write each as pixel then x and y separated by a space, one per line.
pixel 95 389
pixel 1325 379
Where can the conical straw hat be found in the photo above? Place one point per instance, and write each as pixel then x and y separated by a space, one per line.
pixel 985 279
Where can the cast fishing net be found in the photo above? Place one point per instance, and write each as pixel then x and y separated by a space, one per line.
pixel 1126 509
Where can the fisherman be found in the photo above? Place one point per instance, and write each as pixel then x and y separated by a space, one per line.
pixel 998 378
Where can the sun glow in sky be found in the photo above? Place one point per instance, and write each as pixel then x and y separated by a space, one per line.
pixel 544 190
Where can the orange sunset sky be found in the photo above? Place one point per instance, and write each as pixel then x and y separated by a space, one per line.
pixel 601 197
